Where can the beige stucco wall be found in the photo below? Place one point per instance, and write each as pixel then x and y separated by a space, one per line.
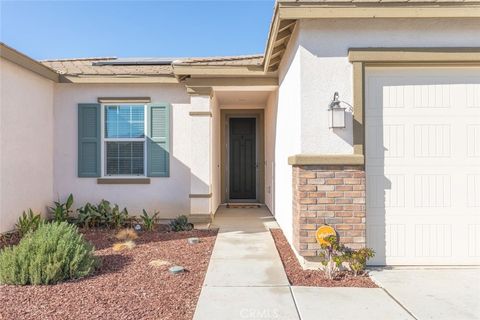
pixel 216 155
pixel 26 139
pixel 169 195
pixel 323 49
pixel 288 124
pixel 270 131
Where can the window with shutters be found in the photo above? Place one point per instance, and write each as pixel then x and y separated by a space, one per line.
pixel 124 143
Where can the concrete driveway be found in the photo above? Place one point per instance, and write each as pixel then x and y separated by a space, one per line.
pixel 429 293
pixel 246 280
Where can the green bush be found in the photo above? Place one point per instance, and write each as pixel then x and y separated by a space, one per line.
pixel 149 221
pixel 55 252
pixel 28 222
pixel 357 259
pixel 102 215
pixel 61 211
pixel 334 255
pixel 181 224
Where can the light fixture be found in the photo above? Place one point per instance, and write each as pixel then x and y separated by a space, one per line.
pixel 336 113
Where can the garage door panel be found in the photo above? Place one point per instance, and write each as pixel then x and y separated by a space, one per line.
pixel 406 244
pixel 423 165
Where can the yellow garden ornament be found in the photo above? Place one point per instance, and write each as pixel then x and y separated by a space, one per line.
pixel 324 232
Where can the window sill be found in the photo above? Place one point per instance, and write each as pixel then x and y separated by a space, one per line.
pixel 123 181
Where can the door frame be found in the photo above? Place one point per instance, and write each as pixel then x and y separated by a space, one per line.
pixel 226 115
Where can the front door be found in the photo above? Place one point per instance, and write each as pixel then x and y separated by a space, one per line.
pixel 243 158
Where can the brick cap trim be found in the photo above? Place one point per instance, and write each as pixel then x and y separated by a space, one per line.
pixel 326 159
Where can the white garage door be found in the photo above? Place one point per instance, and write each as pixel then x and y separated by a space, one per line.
pixel 423 165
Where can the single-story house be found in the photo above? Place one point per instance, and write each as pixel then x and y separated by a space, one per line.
pixel 364 115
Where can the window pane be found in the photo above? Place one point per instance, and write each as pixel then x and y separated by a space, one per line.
pixel 125 158
pixel 124 121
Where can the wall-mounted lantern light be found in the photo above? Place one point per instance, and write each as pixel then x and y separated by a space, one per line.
pixel 336 113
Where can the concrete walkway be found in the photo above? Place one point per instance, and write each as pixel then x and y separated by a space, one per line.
pixel 246 280
pixel 245 277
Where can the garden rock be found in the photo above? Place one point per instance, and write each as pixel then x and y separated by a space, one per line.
pixel 176 269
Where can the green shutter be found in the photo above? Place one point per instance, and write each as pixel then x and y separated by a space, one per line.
pixel 158 140
pixel 89 140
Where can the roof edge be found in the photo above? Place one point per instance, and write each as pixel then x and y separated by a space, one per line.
pixel 287 12
pixel 24 61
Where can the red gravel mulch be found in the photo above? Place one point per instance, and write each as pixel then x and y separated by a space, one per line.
pixel 312 278
pixel 125 286
pixel 9 239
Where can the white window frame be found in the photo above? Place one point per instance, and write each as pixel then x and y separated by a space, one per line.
pixel 105 140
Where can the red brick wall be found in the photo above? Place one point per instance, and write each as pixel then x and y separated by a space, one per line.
pixel 328 194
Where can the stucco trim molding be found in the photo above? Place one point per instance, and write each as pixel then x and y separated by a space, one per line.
pixel 200 113
pixel 123 181
pixel 124 100
pixel 26 62
pixel 326 159
pixel 119 79
pixel 362 58
pixel 200 195
pixel 414 55
pixel 200 218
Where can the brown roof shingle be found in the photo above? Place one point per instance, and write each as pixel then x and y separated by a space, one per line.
pixel 244 60
pixel 87 67
pixel 91 66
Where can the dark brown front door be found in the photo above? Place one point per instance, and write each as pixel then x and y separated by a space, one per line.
pixel 243 158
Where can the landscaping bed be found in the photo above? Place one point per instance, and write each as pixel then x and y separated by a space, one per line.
pixel 313 278
pixel 125 286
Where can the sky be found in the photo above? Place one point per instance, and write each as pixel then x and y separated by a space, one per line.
pixel 73 29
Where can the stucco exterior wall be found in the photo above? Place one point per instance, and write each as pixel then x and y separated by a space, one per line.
pixel 26 143
pixel 287 132
pixel 316 65
pixel 168 195
pixel 270 131
pixel 216 156
pixel 323 49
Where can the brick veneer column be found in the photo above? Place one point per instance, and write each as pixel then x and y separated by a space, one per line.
pixel 332 194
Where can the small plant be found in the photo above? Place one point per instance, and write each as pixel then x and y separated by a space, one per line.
pixel 117 218
pixel 102 215
pixel 87 216
pixel 55 252
pixel 126 245
pixel 28 222
pixel 61 211
pixel 127 234
pixel 336 255
pixel 357 259
pixel 148 221
pixel 332 257
pixel 181 224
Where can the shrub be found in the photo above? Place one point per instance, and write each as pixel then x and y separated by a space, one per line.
pixel 127 234
pixel 181 224
pixel 336 255
pixel 332 257
pixel 55 252
pixel 87 216
pixel 148 221
pixel 61 211
pixel 28 222
pixel 357 259
pixel 102 215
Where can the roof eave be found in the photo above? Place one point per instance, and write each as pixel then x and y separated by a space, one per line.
pixel 119 79
pixel 26 62
pixel 287 12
